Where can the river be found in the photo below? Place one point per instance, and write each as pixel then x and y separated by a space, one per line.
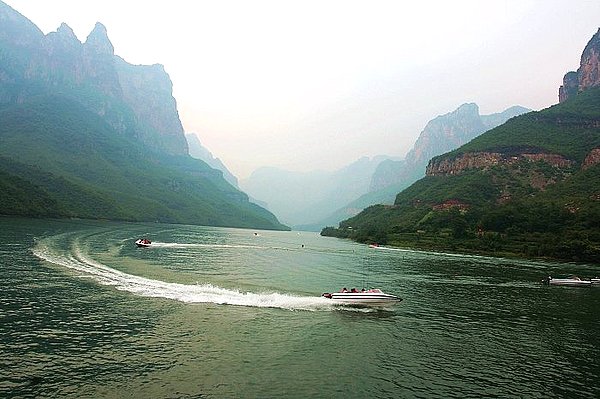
pixel 230 313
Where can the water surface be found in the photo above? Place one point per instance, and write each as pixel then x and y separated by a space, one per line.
pixel 213 312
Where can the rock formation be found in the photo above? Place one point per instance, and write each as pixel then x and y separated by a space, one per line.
pixel 593 158
pixel 486 160
pixel 588 74
pixel 136 101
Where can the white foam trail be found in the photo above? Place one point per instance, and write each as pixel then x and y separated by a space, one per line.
pixel 205 293
pixel 182 245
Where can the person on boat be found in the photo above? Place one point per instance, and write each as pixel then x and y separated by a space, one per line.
pixel 353 290
pixel 344 289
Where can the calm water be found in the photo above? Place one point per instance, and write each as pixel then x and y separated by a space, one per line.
pixel 225 313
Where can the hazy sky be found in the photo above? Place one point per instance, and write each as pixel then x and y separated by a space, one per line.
pixel 306 85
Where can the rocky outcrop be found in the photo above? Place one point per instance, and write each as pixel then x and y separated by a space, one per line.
pixel 593 158
pixel 98 61
pixel 486 160
pixel 569 88
pixel 588 74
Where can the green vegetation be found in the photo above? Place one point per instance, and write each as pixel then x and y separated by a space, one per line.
pixel 524 208
pixel 569 129
pixel 59 159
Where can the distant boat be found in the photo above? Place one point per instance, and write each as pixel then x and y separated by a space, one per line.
pixel 372 297
pixel 571 281
pixel 143 242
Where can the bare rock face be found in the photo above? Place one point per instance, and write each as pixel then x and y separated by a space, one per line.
pixel 148 90
pixel 486 160
pixel 588 74
pixel 570 86
pixel 593 158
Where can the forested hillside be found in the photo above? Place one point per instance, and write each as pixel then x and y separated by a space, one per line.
pixel 530 187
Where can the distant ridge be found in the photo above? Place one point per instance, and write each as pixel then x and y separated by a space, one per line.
pixel 198 151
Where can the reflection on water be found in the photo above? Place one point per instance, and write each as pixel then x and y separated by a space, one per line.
pixel 209 312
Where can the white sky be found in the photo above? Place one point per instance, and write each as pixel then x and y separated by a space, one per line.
pixel 306 85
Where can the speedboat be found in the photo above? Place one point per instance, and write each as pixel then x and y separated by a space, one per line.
pixel 372 297
pixel 143 242
pixel 569 281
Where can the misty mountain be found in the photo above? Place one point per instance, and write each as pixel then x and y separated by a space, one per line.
pixel 198 151
pixel 306 197
pixel 440 135
pixel 85 134
pixel 530 186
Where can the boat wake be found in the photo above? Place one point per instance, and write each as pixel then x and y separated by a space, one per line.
pixel 158 244
pixel 76 260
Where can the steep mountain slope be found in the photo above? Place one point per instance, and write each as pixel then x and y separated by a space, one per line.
pixel 88 171
pixel 530 187
pixel 86 134
pixel 198 151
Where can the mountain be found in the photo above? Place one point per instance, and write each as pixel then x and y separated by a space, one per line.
pixel 299 198
pixel 588 73
pixel 85 134
pixel 529 187
pixel 198 151
pixel 442 134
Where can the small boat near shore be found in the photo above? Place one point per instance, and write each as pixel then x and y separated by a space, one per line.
pixel 372 297
pixel 143 242
pixel 573 281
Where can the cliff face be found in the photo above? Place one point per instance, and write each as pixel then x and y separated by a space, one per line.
pixel 147 89
pixel 135 100
pixel 588 74
pixel 442 134
pixel 486 160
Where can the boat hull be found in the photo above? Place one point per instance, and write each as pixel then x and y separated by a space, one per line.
pixel 570 282
pixel 363 298
pixel 142 244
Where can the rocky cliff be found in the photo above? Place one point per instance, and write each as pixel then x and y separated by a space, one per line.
pixel 135 100
pixel 440 135
pixel 486 160
pixel 148 90
pixel 588 74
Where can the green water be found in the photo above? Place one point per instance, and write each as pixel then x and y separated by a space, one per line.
pixel 226 313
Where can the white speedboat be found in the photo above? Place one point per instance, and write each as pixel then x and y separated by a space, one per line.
pixel 143 242
pixel 372 297
pixel 569 281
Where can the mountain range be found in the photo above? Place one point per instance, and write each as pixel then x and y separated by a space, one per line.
pixel 304 197
pixel 441 134
pixel 529 187
pixel 86 134
pixel 311 201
